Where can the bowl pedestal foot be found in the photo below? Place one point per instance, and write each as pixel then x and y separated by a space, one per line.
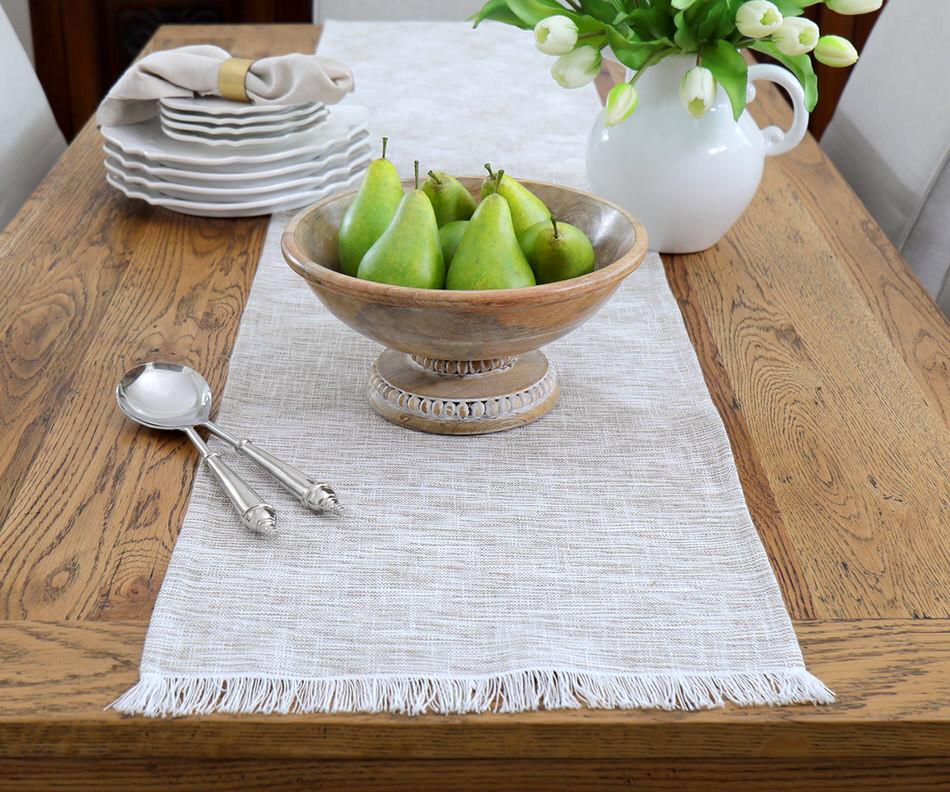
pixel 462 396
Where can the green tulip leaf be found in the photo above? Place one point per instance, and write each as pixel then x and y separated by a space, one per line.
pixel 799 65
pixel 695 23
pixel 685 36
pixel 787 8
pixel 664 7
pixel 498 11
pixel 533 11
pixel 633 54
pixel 599 8
pixel 708 18
pixel 793 4
pixel 730 70
pixel 530 12
pixel 652 24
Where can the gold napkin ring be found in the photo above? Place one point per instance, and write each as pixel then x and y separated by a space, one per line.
pixel 231 79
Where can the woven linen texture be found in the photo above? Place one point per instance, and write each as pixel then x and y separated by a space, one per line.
pixel 601 556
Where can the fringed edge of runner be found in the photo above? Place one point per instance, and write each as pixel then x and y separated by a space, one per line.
pixel 160 696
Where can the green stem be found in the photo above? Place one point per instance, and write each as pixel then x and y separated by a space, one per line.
pixel 435 178
pixel 385 141
pixel 417 174
pixel 598 40
pixel 654 59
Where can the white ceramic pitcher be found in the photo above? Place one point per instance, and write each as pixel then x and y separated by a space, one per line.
pixel 688 179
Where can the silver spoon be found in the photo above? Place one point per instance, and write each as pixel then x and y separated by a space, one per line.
pixel 173 396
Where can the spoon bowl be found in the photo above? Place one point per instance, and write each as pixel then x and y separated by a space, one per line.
pixel 165 396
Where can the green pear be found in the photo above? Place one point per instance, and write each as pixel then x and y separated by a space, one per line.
pixel 409 252
pixel 450 235
pixel 526 208
pixel 370 213
pixel 488 255
pixel 450 200
pixel 557 251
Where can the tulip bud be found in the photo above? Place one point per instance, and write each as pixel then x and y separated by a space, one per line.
pixel 682 5
pixel 698 91
pixel 577 67
pixel 555 35
pixel 852 7
pixel 758 19
pixel 835 51
pixel 795 36
pixel 621 102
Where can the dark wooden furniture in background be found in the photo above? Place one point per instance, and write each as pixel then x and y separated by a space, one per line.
pixel 83 46
pixel 831 81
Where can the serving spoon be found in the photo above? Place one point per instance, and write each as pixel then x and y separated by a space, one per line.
pixel 173 396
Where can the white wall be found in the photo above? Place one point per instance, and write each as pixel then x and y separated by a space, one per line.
pixel 18 12
pixel 395 9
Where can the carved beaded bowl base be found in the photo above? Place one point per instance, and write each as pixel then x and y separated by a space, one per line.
pixel 462 396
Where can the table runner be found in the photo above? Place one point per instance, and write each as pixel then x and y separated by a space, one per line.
pixel 601 556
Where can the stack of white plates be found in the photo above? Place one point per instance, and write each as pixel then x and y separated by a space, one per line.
pixel 221 122
pixel 218 158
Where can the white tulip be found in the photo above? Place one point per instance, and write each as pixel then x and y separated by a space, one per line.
pixel 698 91
pixel 758 19
pixel 852 7
pixel 796 36
pixel 621 102
pixel 835 51
pixel 577 67
pixel 555 35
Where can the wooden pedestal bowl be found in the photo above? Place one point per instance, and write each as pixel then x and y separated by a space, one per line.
pixel 466 362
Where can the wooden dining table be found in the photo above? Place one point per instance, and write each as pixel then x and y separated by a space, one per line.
pixel 827 360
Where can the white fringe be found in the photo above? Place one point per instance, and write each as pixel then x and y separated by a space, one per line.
pixel 158 696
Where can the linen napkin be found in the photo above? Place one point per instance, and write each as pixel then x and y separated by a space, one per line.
pixel 296 78
pixel 600 556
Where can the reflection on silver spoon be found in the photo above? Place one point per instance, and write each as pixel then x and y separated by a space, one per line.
pixel 173 396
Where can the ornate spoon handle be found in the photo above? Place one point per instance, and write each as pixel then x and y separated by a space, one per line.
pixel 312 494
pixel 255 515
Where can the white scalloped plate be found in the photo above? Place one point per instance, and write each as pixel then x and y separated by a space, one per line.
pixel 243 136
pixel 330 170
pixel 342 180
pixel 221 107
pixel 147 140
pixel 256 174
pixel 284 113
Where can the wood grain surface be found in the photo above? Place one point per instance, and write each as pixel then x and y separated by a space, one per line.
pixel 825 357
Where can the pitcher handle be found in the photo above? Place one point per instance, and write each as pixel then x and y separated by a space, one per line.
pixel 777 140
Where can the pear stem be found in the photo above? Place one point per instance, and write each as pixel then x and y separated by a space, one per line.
pixel 554 223
pixel 498 177
pixel 488 168
pixel 417 174
pixel 435 178
pixel 385 141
